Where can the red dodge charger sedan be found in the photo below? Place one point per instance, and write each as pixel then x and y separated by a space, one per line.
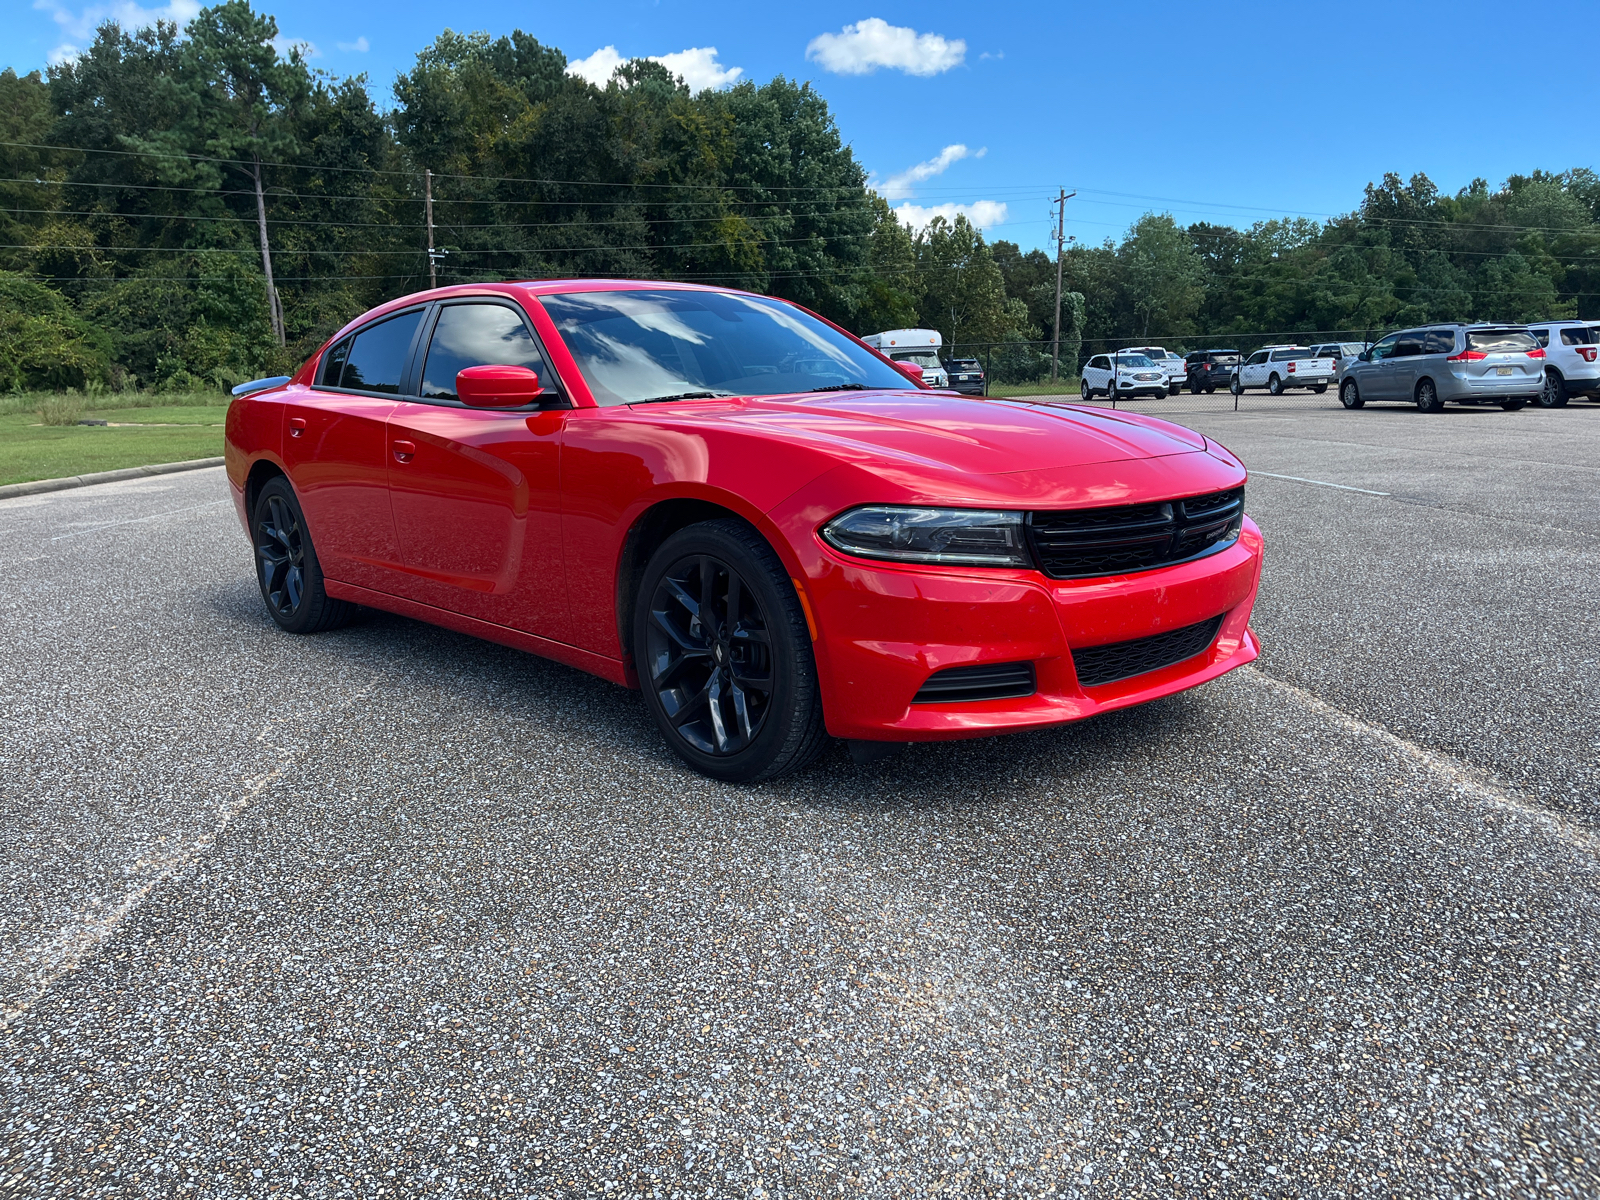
pixel 735 506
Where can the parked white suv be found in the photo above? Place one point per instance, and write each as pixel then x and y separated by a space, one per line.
pixel 1571 361
pixel 1173 364
pixel 1122 376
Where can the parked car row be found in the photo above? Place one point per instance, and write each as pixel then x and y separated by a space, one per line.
pixel 1546 362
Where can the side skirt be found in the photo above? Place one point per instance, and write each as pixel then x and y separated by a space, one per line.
pixel 584 660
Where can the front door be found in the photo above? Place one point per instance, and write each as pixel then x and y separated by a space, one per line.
pixel 1254 371
pixel 1375 377
pixel 335 448
pixel 1406 365
pixel 476 491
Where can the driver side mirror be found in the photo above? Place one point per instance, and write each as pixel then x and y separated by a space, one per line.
pixel 911 371
pixel 492 386
pixel 1365 356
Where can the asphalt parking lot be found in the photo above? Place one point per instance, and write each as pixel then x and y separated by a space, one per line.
pixel 393 912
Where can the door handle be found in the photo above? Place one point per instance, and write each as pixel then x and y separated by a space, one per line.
pixel 403 450
pixel 297 426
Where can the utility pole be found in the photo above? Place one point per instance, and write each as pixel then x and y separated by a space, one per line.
pixel 427 204
pixel 274 301
pixel 1061 229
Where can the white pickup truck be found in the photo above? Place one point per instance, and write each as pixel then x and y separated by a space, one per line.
pixel 1280 367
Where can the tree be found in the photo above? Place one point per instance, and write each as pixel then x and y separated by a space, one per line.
pixel 240 93
pixel 1163 275
pixel 964 295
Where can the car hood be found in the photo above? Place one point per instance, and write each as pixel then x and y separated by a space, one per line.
pixel 967 434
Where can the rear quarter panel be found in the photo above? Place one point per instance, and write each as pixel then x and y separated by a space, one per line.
pixel 253 431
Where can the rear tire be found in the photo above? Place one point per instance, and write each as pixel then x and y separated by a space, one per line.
pixel 1210 388
pixel 1085 390
pixel 727 671
pixel 1319 388
pixel 1554 392
pixel 1350 395
pixel 286 564
pixel 1427 397
pixel 1275 386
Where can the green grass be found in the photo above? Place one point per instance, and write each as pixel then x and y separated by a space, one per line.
pixel 1068 386
pixel 150 429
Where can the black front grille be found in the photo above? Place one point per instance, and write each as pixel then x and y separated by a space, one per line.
pixel 1097 665
pixel 1133 537
pixel 992 681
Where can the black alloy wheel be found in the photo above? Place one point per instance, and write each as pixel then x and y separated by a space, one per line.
pixel 1275 386
pixel 1554 392
pixel 1428 397
pixel 1349 396
pixel 287 567
pixel 724 655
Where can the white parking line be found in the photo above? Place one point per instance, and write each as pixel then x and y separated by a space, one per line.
pixel 136 520
pixel 1343 487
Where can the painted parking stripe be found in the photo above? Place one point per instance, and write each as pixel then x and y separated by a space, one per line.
pixel 1343 487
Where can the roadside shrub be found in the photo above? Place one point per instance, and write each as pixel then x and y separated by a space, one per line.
pixel 43 343
pixel 62 408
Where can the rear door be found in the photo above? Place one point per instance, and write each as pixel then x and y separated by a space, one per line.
pixel 335 450
pixel 1098 373
pixel 476 491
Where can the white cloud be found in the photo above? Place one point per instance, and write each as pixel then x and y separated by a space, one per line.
pixel 308 49
pixel 79 27
pixel 862 48
pixel 359 46
pixel 902 186
pixel 982 213
pixel 697 67
pixel 597 68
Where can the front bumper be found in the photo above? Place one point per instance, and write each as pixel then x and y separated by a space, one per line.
pixel 883 630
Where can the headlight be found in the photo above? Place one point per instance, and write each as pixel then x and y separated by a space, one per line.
pixel 930 535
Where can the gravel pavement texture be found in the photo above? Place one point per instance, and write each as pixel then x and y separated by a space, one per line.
pixel 390 911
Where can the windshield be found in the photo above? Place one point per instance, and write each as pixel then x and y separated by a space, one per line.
pixel 634 346
pixel 926 359
pixel 1501 341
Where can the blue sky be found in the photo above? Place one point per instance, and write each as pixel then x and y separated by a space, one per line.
pixel 1228 113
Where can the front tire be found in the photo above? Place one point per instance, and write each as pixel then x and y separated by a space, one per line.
pixel 286 564
pixel 1235 386
pixel 1349 395
pixel 724 655
pixel 1428 397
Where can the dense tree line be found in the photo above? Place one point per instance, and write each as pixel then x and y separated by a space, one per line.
pixel 189 208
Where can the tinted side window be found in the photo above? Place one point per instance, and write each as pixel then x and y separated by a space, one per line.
pixel 1577 337
pixel 1385 347
pixel 1101 362
pixel 1439 341
pixel 1260 356
pixel 470 335
pixel 1409 345
pixel 1542 334
pixel 333 363
pixel 378 354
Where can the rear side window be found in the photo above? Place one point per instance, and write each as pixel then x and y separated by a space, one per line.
pixel 1439 341
pixel 377 358
pixel 1501 341
pixel 1101 363
pixel 1542 334
pixel 1578 337
pixel 333 363
pixel 472 335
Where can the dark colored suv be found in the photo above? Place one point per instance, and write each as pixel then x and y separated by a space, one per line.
pixel 966 375
pixel 1207 370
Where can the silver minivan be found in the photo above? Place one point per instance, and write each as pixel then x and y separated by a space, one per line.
pixel 1468 364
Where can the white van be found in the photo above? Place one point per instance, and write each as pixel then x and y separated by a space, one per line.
pixel 919 346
